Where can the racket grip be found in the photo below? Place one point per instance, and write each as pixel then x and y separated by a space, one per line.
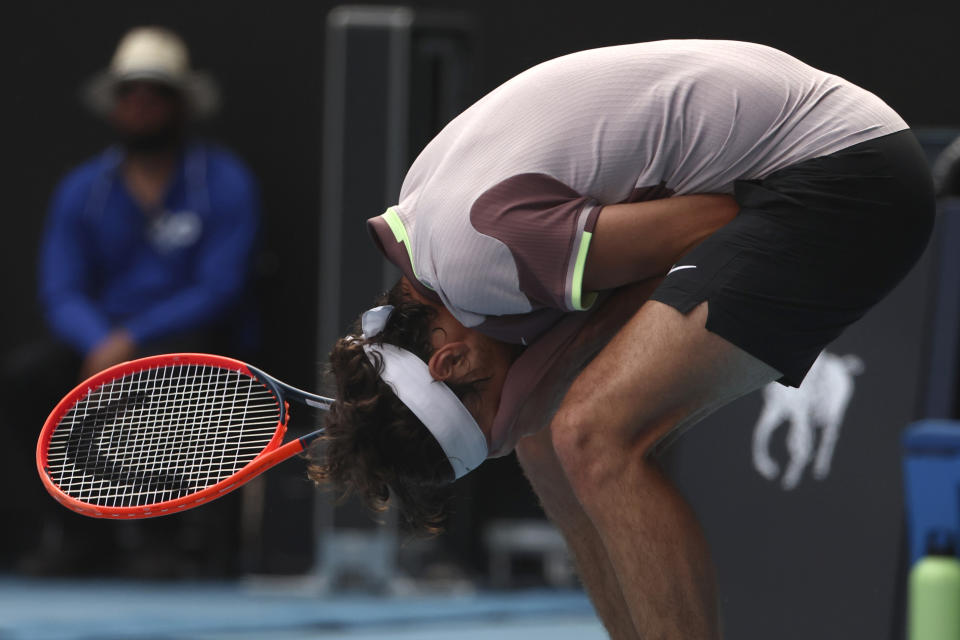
pixel 264 462
pixel 267 460
pixel 309 438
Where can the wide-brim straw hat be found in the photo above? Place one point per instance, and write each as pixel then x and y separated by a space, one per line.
pixel 157 55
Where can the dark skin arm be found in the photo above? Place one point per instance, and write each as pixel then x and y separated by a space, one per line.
pixel 628 241
pixel 640 240
pixel 632 246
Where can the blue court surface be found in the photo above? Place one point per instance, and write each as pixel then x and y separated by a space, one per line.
pixel 117 610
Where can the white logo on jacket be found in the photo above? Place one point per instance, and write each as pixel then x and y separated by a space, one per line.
pixel 821 401
pixel 175 230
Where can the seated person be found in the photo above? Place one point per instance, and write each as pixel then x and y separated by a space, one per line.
pixel 146 250
pixel 148 243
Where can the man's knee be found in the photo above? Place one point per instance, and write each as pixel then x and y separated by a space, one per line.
pixel 593 455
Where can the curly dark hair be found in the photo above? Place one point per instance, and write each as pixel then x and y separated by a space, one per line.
pixel 373 444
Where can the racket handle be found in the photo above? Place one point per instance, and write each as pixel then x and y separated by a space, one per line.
pixel 309 438
pixel 275 457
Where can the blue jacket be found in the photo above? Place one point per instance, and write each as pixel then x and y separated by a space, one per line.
pixel 105 262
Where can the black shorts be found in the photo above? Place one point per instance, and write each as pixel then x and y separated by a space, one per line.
pixel 815 245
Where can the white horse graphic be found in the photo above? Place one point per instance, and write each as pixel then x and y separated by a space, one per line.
pixel 821 401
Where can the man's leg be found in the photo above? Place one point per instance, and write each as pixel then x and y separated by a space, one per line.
pixel 540 464
pixel 662 371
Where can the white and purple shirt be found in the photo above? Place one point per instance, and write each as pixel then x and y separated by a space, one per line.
pixel 496 214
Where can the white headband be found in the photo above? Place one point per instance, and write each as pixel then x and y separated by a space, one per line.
pixel 437 407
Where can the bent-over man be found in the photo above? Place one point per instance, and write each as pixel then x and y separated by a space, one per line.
pixel 777 202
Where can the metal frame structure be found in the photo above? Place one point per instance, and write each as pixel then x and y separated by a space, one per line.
pixel 393 76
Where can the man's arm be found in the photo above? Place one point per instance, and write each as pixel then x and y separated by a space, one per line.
pixel 629 241
pixel 65 272
pixel 640 240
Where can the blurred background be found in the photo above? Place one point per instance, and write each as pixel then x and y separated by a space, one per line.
pixel 798 556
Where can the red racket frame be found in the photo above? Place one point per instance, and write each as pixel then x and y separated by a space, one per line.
pixel 273 453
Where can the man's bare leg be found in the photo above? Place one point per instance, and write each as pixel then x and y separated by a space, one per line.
pixel 661 370
pixel 539 462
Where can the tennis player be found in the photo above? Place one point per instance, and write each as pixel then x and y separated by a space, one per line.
pixel 777 202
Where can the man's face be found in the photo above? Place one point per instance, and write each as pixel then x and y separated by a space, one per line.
pixel 492 360
pixel 147 113
pixel 479 357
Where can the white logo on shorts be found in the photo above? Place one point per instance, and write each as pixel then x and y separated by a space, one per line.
pixel 821 401
pixel 686 266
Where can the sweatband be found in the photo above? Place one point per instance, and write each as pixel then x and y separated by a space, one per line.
pixel 432 401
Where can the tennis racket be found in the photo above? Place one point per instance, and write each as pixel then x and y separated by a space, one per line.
pixel 163 434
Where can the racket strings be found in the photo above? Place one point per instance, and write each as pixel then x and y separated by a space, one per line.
pixel 160 434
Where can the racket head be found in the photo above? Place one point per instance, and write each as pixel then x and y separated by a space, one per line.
pixel 159 435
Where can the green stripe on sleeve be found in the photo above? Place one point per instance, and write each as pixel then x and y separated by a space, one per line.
pixel 577 299
pixel 400 234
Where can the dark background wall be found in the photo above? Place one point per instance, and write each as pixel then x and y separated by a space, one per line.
pixel 268 58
